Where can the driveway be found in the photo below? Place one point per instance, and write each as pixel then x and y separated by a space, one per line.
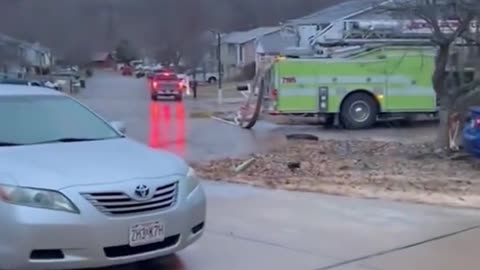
pixel 251 228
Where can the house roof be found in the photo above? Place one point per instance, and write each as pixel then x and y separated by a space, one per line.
pixel 23 44
pixel 338 11
pixel 6 38
pixel 246 36
pixel 276 44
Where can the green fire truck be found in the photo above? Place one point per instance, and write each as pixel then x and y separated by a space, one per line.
pixel 354 88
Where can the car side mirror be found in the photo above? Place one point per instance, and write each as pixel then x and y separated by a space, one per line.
pixel 119 126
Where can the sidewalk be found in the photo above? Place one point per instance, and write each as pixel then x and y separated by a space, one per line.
pixel 211 105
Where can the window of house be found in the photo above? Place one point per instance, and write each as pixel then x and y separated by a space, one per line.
pixel 241 54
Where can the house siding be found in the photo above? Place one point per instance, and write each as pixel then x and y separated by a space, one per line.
pixel 236 56
pixel 249 51
pixel 229 59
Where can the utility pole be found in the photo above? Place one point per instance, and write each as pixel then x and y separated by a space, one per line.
pixel 219 67
pixel 110 33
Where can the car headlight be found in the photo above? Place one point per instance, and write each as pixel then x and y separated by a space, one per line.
pixel 191 180
pixel 39 198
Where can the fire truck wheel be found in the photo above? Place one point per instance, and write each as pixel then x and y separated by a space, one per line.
pixel 359 111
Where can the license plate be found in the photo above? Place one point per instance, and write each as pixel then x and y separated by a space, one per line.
pixel 146 233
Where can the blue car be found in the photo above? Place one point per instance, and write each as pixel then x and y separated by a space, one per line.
pixel 471 132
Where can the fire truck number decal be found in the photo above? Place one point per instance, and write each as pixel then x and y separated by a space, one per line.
pixel 286 80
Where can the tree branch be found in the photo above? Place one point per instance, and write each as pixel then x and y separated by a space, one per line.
pixel 466 88
pixel 463 27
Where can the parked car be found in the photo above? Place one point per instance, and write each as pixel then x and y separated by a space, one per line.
pixel 202 76
pixel 75 192
pixel 135 63
pixel 75 78
pixel 127 71
pixel 47 84
pixel 471 132
pixel 139 74
pixel 153 67
pixel 21 82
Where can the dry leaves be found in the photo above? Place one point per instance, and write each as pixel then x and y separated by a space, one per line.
pixel 358 168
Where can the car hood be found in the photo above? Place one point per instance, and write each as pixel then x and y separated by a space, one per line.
pixel 61 165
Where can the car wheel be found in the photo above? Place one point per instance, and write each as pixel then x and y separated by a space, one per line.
pixel 359 111
pixel 179 98
pixel 212 80
pixel 154 98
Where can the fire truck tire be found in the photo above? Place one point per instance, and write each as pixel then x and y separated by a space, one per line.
pixel 359 111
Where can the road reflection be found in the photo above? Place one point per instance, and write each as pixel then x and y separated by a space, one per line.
pixel 167 127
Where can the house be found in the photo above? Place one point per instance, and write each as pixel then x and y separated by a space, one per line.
pixel 37 56
pixel 17 55
pixel 239 49
pixel 103 60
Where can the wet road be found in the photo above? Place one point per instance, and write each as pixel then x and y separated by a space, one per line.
pixel 251 228
pixel 166 124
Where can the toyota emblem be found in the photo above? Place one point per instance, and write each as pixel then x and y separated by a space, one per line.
pixel 142 191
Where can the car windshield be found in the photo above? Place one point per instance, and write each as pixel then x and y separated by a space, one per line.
pixel 39 119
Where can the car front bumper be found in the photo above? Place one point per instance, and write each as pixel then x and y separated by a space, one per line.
pixel 92 239
pixel 471 143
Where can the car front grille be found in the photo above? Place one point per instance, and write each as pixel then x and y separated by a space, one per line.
pixel 119 203
pixel 122 251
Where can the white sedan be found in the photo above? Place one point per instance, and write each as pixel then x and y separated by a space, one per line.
pixel 76 193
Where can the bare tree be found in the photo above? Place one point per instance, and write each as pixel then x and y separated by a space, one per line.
pixel 451 24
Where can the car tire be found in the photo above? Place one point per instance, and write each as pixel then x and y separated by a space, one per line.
pixel 212 80
pixel 154 98
pixel 359 111
pixel 179 98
